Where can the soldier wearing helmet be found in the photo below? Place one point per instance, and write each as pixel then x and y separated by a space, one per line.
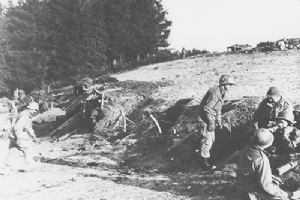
pixel 254 174
pixel 287 137
pixel 22 134
pixel 210 114
pixel 269 108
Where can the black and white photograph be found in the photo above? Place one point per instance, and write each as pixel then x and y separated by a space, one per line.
pixel 149 100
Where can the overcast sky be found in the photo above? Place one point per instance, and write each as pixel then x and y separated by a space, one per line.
pixel 216 24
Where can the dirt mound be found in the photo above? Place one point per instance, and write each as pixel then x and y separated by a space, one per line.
pixel 180 126
pixel 103 112
pixel 124 112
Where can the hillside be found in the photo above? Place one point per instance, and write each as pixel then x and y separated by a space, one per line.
pixel 109 162
pixel 254 73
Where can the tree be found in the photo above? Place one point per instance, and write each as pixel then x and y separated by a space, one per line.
pixel 25 56
pixel 64 40
pixel 4 73
pixel 149 25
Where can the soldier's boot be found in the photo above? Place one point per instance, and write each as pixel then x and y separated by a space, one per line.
pixel 206 164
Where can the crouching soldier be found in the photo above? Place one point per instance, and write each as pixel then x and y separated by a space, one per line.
pixel 287 137
pixel 254 176
pixel 210 114
pixel 269 108
pixel 22 134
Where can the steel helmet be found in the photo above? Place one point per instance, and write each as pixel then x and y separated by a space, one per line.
pixel 33 106
pixel 262 137
pixel 286 115
pixel 226 80
pixel 273 91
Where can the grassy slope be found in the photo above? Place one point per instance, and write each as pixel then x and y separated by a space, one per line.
pixel 254 73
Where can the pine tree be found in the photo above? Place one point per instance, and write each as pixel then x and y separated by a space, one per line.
pixel 25 60
pixel 4 73
pixel 64 40
pixel 149 25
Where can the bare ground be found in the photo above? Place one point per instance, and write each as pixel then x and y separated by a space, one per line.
pixel 76 169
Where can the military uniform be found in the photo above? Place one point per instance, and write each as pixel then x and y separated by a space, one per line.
pixel 254 176
pixel 268 111
pixel 210 113
pixel 22 135
pixel 286 140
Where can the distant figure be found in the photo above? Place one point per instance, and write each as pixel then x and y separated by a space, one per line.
pixel 265 115
pixel 13 112
pixel 22 134
pixel 43 106
pixel 210 113
pixel 16 94
pixel 254 179
pixel 114 62
pixel 183 53
pixel 281 45
pixel 21 94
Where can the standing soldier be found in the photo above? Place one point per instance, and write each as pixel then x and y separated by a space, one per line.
pixel 265 115
pixel 210 113
pixel 22 134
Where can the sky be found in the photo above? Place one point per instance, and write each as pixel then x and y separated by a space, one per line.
pixel 216 24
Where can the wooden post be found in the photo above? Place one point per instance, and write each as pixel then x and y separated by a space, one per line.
pixel 102 100
pixel 156 123
pixel 124 121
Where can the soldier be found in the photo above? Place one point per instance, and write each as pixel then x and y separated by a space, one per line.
pixel 22 134
pixel 265 115
pixel 254 175
pixel 16 95
pixel 13 112
pixel 210 113
pixel 287 137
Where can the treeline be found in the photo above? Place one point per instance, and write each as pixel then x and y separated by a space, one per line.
pixel 60 41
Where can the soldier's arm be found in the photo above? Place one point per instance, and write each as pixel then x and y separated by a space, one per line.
pixel 219 119
pixel 265 180
pixel 30 130
pixel 20 124
pixel 211 100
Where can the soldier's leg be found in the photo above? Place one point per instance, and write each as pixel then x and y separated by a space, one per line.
pixel 11 146
pixel 208 136
pixel 26 148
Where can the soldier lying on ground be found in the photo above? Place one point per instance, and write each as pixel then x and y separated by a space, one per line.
pixel 269 108
pixel 254 175
pixel 287 137
pixel 210 113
